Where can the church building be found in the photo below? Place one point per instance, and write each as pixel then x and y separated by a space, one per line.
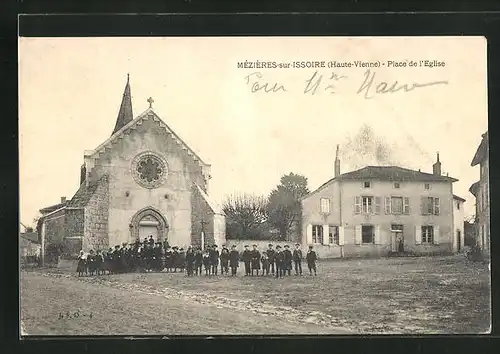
pixel 143 180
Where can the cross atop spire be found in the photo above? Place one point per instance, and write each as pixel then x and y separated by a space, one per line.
pixel 125 114
pixel 150 101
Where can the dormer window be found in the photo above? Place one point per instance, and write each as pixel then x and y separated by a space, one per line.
pixel 396 185
pixel 367 184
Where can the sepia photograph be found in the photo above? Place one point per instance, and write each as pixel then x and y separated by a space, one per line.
pixel 180 186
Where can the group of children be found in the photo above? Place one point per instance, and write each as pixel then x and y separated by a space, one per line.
pixel 154 256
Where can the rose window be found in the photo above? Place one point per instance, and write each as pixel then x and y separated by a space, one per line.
pixel 149 170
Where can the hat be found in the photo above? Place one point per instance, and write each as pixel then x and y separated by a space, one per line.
pixel 117 246
pixel 286 246
pixel 297 244
pixel 270 245
pixel 233 246
pixel 190 246
pixel 181 249
pixel 214 246
pixel 254 245
pixel 246 246
pixel 278 246
pixel 175 248
pixel 310 246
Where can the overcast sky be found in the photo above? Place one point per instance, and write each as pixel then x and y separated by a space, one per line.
pixel 71 89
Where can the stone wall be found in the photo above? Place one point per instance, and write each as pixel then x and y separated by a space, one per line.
pixel 74 223
pixel 201 212
pixel 96 219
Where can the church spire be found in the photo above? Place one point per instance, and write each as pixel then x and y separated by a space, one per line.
pixel 125 114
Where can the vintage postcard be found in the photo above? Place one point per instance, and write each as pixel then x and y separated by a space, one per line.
pixel 254 186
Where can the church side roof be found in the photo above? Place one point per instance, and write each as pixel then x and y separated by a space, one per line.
pixel 211 203
pixel 84 193
pixel 125 114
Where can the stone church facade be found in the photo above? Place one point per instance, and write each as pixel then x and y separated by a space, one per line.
pixel 144 180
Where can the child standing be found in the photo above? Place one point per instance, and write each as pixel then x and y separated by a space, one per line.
pixel 311 260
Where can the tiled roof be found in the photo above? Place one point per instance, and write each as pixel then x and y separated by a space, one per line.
pixel 387 173
pixel 481 151
pixel 84 193
pixel 393 173
pixel 458 198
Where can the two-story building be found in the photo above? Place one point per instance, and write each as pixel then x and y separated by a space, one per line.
pixel 379 210
pixel 480 190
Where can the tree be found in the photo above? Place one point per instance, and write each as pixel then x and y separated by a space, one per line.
pixel 246 216
pixel 284 207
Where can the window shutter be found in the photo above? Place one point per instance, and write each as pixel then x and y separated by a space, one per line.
pixel 377 205
pixel 406 206
pixel 309 234
pixel 422 205
pixel 387 205
pixel 357 205
pixel 326 234
pixel 436 206
pixel 377 235
pixel 357 234
pixel 436 235
pixel 341 235
pixel 418 234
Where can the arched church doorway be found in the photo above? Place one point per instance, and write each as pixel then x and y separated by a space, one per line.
pixel 149 222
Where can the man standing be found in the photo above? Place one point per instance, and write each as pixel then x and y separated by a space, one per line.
pixel 311 260
pixel 234 260
pixel 278 260
pixel 117 260
pixel 214 259
pixel 190 261
pixel 247 258
pixel 297 259
pixel 270 256
pixel 255 260
pixel 224 260
pixel 287 260
pixel 151 241
pixel 198 261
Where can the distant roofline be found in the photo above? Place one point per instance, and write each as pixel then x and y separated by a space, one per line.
pixel 458 198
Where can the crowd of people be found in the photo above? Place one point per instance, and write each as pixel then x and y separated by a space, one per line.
pixel 151 256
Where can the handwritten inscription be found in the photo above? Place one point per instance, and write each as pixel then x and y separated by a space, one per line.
pixel 369 87
pixel 254 80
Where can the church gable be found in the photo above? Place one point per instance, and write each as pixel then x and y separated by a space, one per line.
pixel 145 133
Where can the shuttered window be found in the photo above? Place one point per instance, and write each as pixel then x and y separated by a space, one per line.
pixel 317 234
pixel 430 206
pixel 325 205
pixel 333 235
pixel 428 234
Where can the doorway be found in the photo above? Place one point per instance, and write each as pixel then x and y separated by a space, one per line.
pixel 459 241
pixel 148 222
pixel 397 238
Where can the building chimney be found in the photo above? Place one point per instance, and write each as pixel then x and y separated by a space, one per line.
pixel 83 174
pixel 337 163
pixel 436 168
pixel 63 200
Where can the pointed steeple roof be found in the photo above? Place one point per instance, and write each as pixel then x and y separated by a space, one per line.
pixel 125 114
